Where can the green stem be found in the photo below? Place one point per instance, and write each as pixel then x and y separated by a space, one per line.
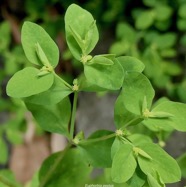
pixel 63 81
pixel 6 181
pixel 72 124
pixel 83 142
pixel 134 121
pixel 52 169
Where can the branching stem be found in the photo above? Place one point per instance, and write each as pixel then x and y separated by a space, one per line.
pixel 87 141
pixel 72 124
pixel 64 82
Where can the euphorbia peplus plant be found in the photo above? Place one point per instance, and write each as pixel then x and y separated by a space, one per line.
pixel 127 159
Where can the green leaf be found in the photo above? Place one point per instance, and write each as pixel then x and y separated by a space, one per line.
pixel 98 154
pixel 169 53
pixel 125 32
pixel 26 82
pixel 135 87
pixel 163 12
pixel 14 136
pixel 131 64
pixel 145 20
pixel 32 35
pixel 121 115
pixel 35 180
pixel 41 55
pixel 160 115
pixel 81 31
pixel 161 162
pixel 119 48
pixel 57 92
pixel 164 41
pixel 181 90
pixel 84 85
pixel 124 164
pixel 52 118
pixel 108 77
pixel 176 116
pixel 172 69
pixel 182 11
pixel 115 146
pixel 71 169
pixel 150 3
pixel 91 37
pixel 7 179
pixel 4 151
pixel 163 25
pixel 138 179
pixel 5 33
pixel 77 37
pixel 138 139
pixel 106 60
pixel 141 152
pixel 182 163
pixel 181 24
pixel 105 180
pixel 153 182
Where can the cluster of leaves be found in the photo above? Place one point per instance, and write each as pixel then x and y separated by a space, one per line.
pixel 128 159
pixel 158 41
pixel 156 35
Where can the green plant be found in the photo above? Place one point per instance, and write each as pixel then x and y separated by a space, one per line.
pixel 128 159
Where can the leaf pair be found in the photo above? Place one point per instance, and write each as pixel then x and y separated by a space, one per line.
pixel 136 99
pixel 82 36
pixel 40 50
pixel 153 161
pixel 174 117
pixel 26 83
pixel 81 31
pixel 135 86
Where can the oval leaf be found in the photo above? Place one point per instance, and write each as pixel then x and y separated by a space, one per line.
pixel 174 119
pixel 161 162
pixel 90 151
pixel 81 31
pixel 55 94
pixel 26 82
pixel 99 59
pixel 123 165
pixel 109 77
pixel 130 64
pixel 145 20
pixel 52 118
pixel 70 168
pixel 121 115
pixel 135 87
pixel 32 35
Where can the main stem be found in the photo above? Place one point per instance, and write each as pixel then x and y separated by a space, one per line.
pixel 72 124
